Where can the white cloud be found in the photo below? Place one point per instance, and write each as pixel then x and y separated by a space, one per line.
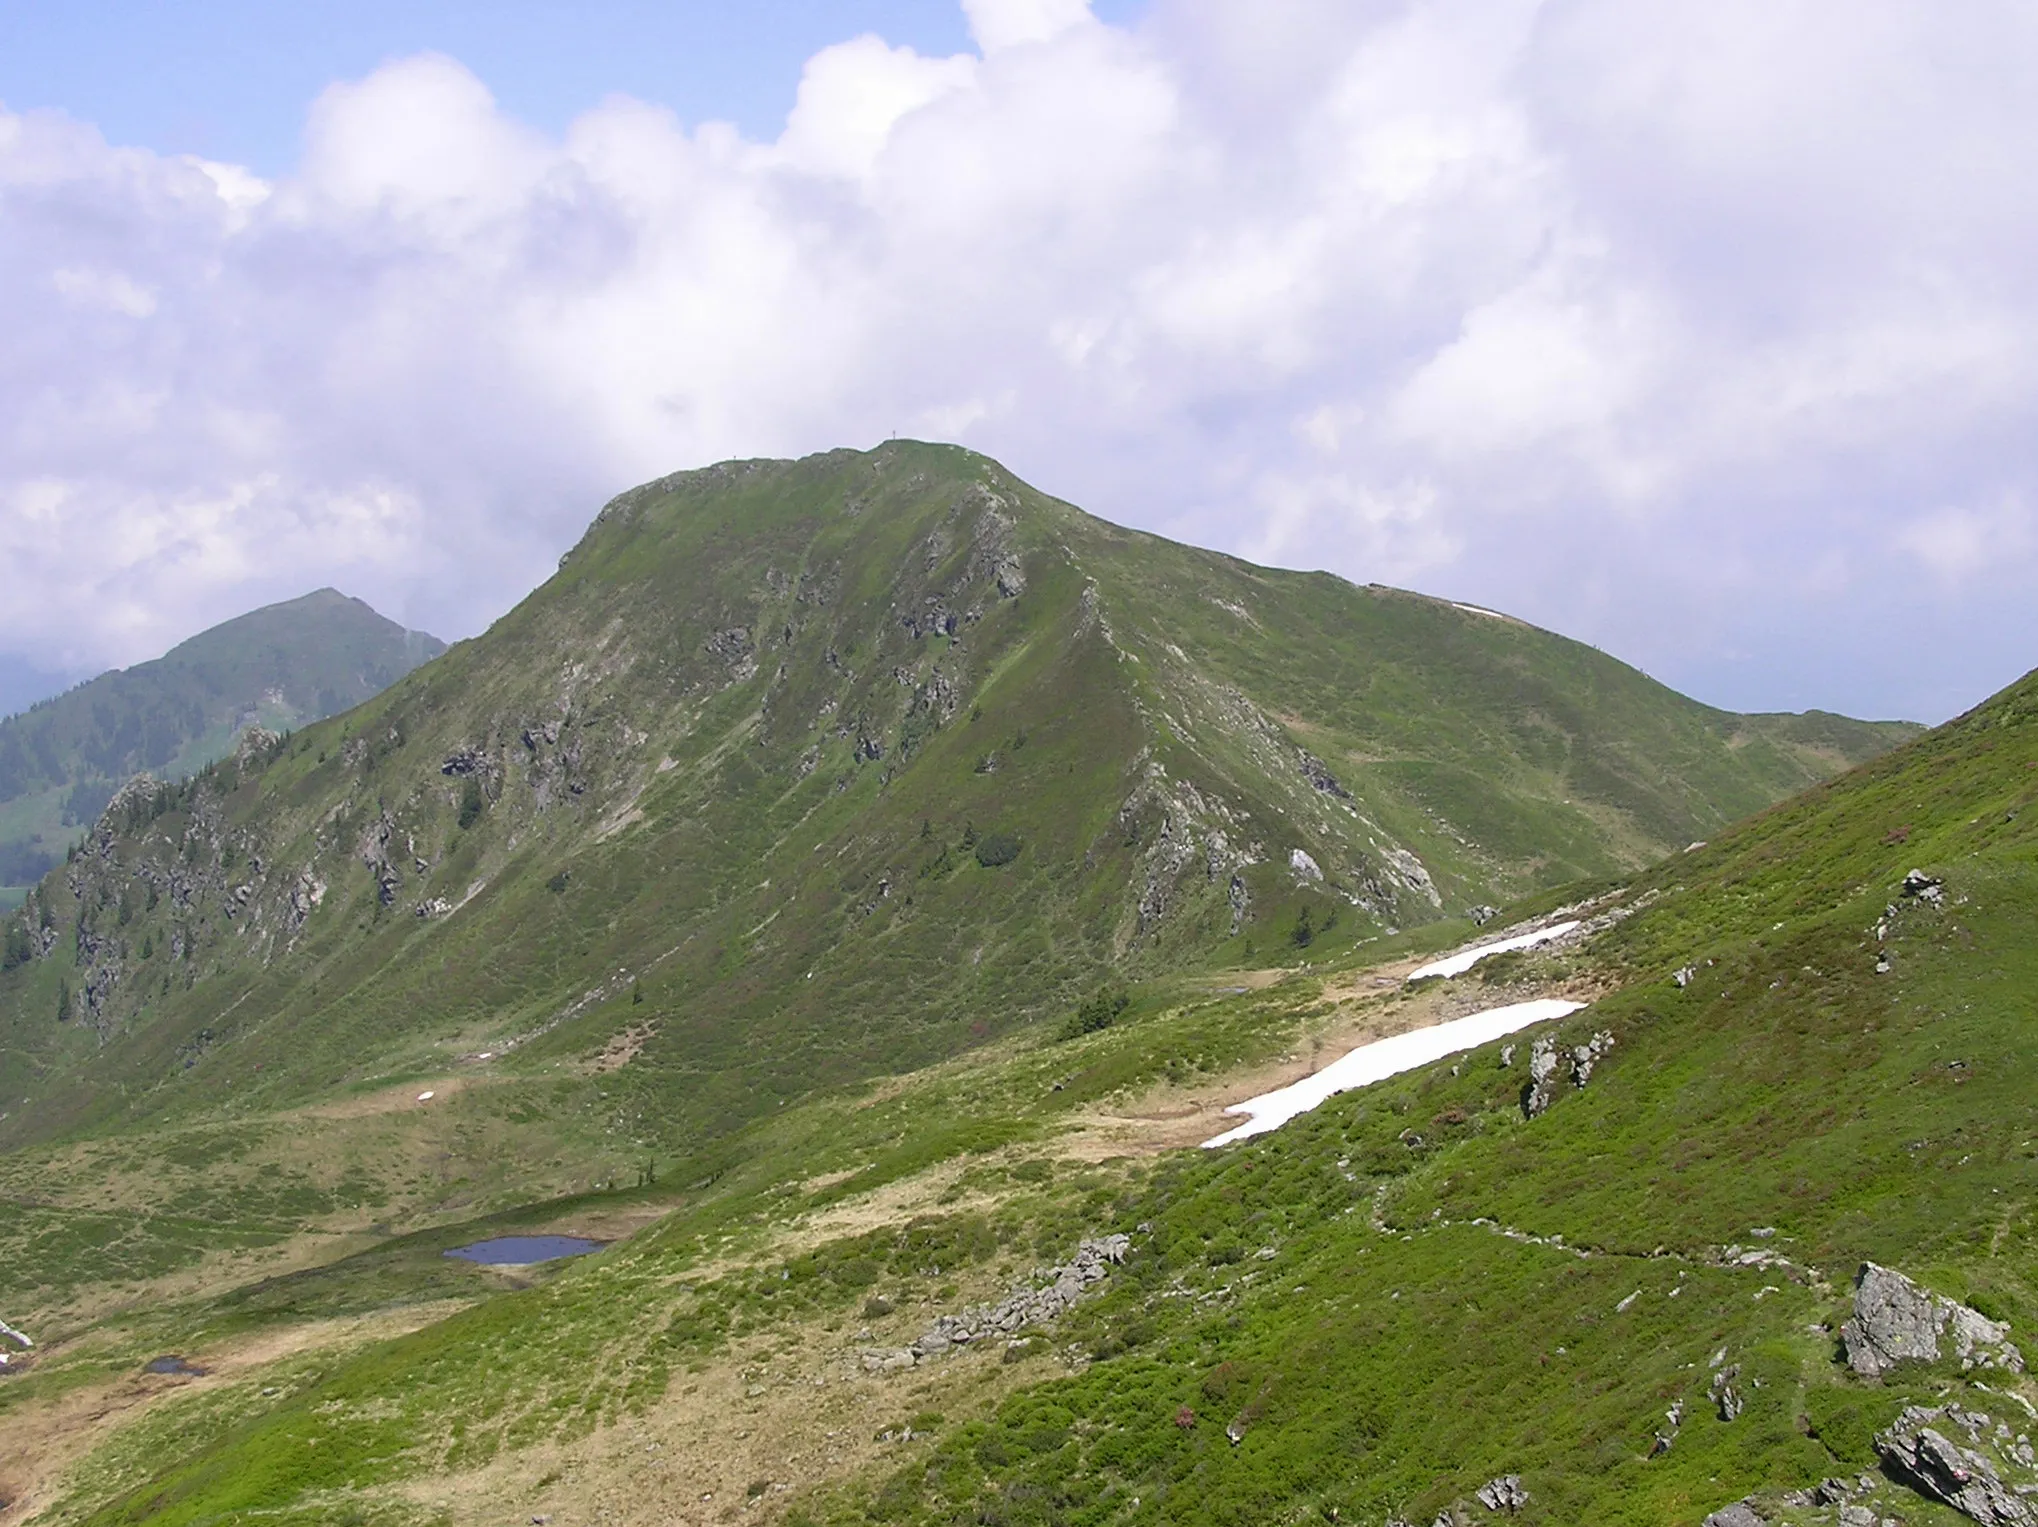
pixel 1675 327
pixel 1957 543
pixel 1001 24
pixel 107 290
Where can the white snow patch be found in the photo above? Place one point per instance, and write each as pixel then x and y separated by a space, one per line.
pixel 1383 1058
pixel 1457 964
pixel 1473 609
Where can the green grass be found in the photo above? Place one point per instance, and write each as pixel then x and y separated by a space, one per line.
pixel 769 892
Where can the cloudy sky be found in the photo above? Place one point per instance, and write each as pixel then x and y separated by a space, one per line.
pixel 1706 332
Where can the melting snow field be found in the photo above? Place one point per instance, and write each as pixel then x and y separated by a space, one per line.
pixel 1383 1058
pixel 1457 964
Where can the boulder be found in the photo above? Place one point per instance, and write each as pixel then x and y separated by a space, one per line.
pixel 1897 1321
pixel 1542 1085
pixel 1917 1452
pixel 1739 1514
pixel 1503 1494
pixel 1924 887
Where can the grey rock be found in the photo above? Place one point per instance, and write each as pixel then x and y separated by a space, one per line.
pixel 1725 1398
pixel 1925 1458
pixel 1503 1494
pixel 1924 887
pixel 1588 1055
pixel 1064 1285
pixel 1318 774
pixel 1897 1321
pixel 1739 1514
pixel 1542 1078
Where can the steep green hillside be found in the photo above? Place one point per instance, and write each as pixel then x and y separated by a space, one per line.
pixel 277 667
pixel 1625 1303
pixel 800 771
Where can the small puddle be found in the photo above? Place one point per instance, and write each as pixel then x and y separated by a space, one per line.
pixel 173 1365
pixel 523 1250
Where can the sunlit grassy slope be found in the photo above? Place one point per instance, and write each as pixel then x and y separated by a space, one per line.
pixel 1363 1316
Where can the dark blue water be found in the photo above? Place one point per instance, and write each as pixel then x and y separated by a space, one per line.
pixel 523 1250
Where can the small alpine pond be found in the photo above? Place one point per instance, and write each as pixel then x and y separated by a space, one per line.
pixel 524 1250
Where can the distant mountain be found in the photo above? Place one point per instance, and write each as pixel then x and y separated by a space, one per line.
pixel 278 667
pixel 798 771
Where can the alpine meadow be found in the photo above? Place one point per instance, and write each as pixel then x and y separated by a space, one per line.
pixel 840 903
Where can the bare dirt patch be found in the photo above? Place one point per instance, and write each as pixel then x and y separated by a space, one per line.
pixel 624 1048
pixel 42 1443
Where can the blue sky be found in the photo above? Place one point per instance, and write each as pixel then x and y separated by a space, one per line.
pixel 231 81
pixel 1707 334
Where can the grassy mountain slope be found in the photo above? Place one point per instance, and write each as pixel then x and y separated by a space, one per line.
pixel 1630 1300
pixel 801 771
pixel 277 667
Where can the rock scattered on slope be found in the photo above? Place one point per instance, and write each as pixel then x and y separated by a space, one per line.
pixel 1739 1514
pixel 1588 1055
pixel 1967 1478
pixel 1503 1494
pixel 1064 1285
pixel 1724 1396
pixel 1897 1321
pixel 1542 1085
pixel 1924 887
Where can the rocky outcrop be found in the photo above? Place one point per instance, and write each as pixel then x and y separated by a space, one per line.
pixel 1092 1262
pixel 1588 1055
pixel 374 852
pixel 1542 1085
pixel 1739 1514
pixel 1061 1287
pixel 1318 774
pixel 1897 1321
pixel 1917 1451
pixel 306 893
pixel 1725 1397
pixel 1503 1494
pixel 1924 887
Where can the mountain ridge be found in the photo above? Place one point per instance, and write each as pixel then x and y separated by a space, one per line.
pixel 846 676
pixel 281 665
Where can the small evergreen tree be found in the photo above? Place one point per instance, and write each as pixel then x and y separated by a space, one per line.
pixel 471 802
